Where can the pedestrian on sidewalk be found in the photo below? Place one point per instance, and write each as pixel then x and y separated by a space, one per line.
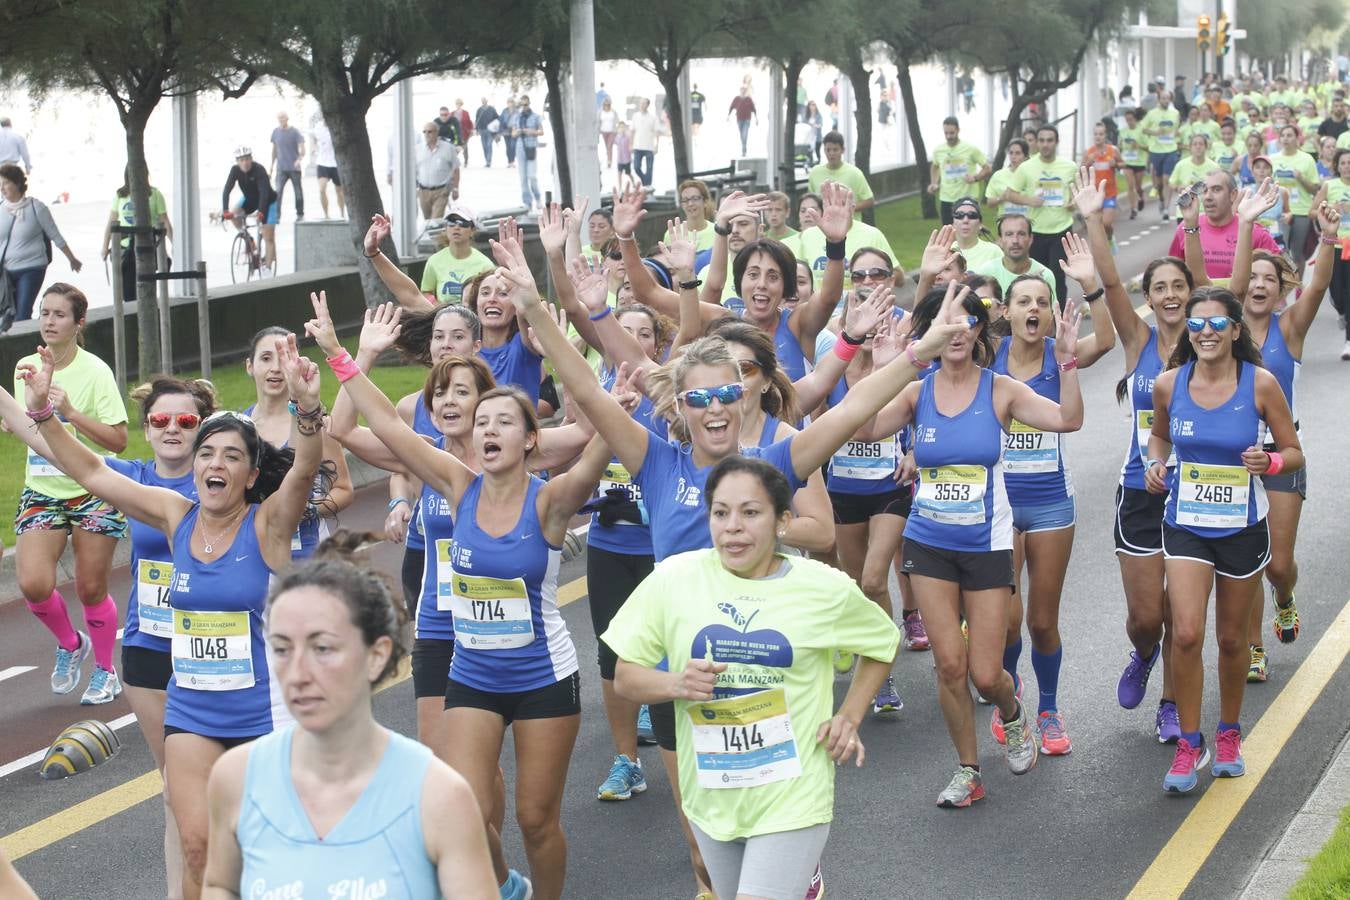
pixel 743 106
pixel 288 149
pixel 325 161
pixel 485 120
pixel 644 142
pixel 528 127
pixel 13 147
pixel 437 173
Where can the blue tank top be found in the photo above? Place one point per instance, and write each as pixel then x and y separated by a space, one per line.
pixel 791 357
pixel 509 635
pixel 1245 176
pixel 1281 363
pixel 1210 492
pixel 377 849
pixel 768 432
pixel 311 529
pixel 630 538
pixel 672 487
pixel 862 467
pixel 960 503
pixel 149 622
pixel 221 685
pixel 423 425
pixel 1033 460
pixel 1145 372
pixel 514 363
pixel 434 620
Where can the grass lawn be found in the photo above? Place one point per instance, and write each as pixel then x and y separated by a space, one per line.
pixel 234 388
pixel 1328 874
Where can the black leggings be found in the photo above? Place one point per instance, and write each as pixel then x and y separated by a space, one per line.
pixel 414 562
pixel 610 578
pixel 1340 291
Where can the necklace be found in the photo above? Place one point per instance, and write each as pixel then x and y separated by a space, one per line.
pixel 208 542
pixel 65 359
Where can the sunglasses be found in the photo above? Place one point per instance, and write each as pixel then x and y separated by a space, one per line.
pixel 966 215
pixel 429 131
pixel 877 273
pixel 1197 323
pixel 456 222
pixel 749 367
pixel 186 421
pixel 701 398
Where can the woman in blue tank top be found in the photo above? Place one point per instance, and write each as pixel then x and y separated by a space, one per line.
pixel 1167 282
pixel 1261 280
pixel 336 805
pixel 225 547
pixel 1211 408
pixel 1040 490
pixel 958 538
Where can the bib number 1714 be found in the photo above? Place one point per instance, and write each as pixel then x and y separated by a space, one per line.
pixel 487 610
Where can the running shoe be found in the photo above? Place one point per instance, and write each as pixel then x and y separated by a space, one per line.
pixel 888 698
pixel 1167 725
pixel 816 889
pixel 1181 778
pixel 625 779
pixel 996 719
pixel 1134 680
pixel 964 789
pixel 1228 755
pixel 1021 744
pixel 843 662
pixel 916 636
pixel 1345 351
pixel 516 887
pixel 1286 622
pixel 1133 213
pixel 104 686
pixel 66 672
pixel 645 735
pixel 1054 739
pixel 1257 671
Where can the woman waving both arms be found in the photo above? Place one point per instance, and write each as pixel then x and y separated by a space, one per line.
pixel 226 546
pixel 1211 407
pixel 1138 520
pixel 514 662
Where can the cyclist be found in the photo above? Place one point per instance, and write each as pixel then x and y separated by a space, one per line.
pixel 258 197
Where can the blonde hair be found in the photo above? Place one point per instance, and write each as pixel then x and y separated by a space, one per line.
pixel 664 384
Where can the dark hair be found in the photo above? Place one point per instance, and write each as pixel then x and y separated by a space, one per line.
pixel 269 331
pixel 833 137
pixel 414 339
pixel 439 376
pixel 529 416
pixel 341 567
pixel 602 212
pixel 663 326
pixel 951 120
pixel 926 310
pixel 1050 128
pixel 1008 217
pixel 1021 145
pixel 783 258
pixel 1336 160
pixel 780 400
pixel 79 303
pixel 271 462
pixel 773 481
pixel 15 176
pixel 470 298
pixel 1244 350
pixel 1032 278
pixel 975 281
pixel 1283 268
pixel 872 250
pixel 200 390
pixel 814 198
pixel 1123 385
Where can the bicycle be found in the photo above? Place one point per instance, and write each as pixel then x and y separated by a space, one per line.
pixel 246 259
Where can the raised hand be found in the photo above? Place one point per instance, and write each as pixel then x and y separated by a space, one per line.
pixel 628 211
pixel 381 329
pixel 508 230
pixel 37 380
pixel 1088 196
pixel 739 203
pixel 1077 262
pixel 950 321
pixel 863 317
pixel 1251 204
pixel 574 219
pixel 937 255
pixel 680 248
pixel 590 284
pixel 1066 331
pixel 321 326
pixel 559 317
pixel 1190 211
pixel 302 373
pixel 888 341
pixel 1329 218
pixel 836 216
pixel 379 230
pixel 625 389
pixel 513 267
pixel 552 229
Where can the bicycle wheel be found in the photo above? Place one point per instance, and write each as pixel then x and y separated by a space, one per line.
pixel 240 258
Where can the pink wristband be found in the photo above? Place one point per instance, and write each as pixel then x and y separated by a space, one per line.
pixel 1276 463
pixel 914 360
pixel 41 415
pixel 844 350
pixel 343 366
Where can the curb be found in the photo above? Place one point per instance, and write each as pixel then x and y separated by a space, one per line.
pixel 1312 826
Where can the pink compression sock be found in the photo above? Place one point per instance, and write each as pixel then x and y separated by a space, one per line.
pixel 102 621
pixel 52 613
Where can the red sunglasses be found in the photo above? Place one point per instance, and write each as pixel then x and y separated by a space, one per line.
pixel 186 421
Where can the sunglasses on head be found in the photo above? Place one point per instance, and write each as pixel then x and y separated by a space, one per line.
pixel 966 215
pixel 457 222
pixel 701 398
pixel 186 421
pixel 875 273
pixel 1197 323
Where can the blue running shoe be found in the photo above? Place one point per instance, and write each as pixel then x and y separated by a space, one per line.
pixel 888 698
pixel 645 735
pixel 1134 680
pixel 1228 755
pixel 1167 725
pixel 1181 778
pixel 516 887
pixel 104 686
pixel 625 779
pixel 66 671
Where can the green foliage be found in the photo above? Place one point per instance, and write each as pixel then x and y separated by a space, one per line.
pixel 1274 27
pixel 1328 875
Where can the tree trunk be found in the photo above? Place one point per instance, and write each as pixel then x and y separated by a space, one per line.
pixel 147 309
pixel 1012 126
pixel 345 117
pixel 552 69
pixel 670 83
pixel 792 72
pixel 926 200
pixel 862 98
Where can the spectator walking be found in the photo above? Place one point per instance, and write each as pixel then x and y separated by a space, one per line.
pixel 644 142
pixel 508 123
pixel 325 163
pixel 813 118
pixel 447 126
pixel 528 128
pixel 485 120
pixel 461 116
pixel 26 227
pixel 288 149
pixel 743 107
pixel 13 147
pixel 437 173
pixel 696 103
pixel 623 146
pixel 608 121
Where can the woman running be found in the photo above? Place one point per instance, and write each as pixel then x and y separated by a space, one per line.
pixel 514 663
pixel 761 827
pixel 1040 490
pixel 1211 408
pixel 1337 191
pixel 226 546
pixel 337 805
pixel 54 508
pixel 1296 171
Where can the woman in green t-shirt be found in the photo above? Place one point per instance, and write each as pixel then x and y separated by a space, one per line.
pixel 1134 154
pixel 748 649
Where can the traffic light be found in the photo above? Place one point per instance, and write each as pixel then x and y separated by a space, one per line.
pixel 1202 33
pixel 1221 46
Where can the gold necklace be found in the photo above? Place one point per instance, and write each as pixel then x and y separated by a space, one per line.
pixel 56 364
pixel 208 543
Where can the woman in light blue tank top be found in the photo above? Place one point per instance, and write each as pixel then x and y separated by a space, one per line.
pixel 382 817
pixel 1211 408
pixel 226 545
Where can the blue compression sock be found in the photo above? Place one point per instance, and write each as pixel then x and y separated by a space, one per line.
pixel 1229 726
pixel 1194 738
pixel 1011 654
pixel 1046 666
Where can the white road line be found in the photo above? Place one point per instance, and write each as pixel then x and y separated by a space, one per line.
pixel 15 670
pixel 36 757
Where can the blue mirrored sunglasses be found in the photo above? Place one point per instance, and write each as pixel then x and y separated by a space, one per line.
pixel 701 398
pixel 1197 323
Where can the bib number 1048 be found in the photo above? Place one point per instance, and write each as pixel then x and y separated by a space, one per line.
pixel 209 648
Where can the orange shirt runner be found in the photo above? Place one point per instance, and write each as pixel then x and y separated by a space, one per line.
pixel 1103 162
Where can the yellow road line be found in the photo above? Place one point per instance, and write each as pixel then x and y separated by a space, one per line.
pixel 1183 855
pixel 113 801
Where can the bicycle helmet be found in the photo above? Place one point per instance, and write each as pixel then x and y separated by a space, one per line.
pixel 243 150
pixel 79 748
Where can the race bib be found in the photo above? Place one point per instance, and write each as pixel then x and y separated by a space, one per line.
pixel 152 598
pixel 297 543
pixel 1052 192
pixel 744 741
pixel 490 613
pixel 1167 138
pixel 1019 209
pixel 212 650
pixel 952 495
pixel 616 476
pixel 864 460
pixel 1027 449
pixel 955 171
pixel 1143 423
pixel 445 576
pixel 1212 496
pixel 41 467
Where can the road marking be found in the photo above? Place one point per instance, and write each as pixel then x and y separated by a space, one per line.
pixel 36 756
pixel 15 670
pixel 1188 848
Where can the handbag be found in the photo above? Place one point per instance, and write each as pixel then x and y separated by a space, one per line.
pixel 7 308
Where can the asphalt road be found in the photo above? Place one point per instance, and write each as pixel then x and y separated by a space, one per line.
pixel 1086 825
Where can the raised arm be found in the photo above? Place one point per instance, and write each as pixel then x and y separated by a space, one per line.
pixel 555 234
pixel 859 322
pixel 628 214
pixel 1077 264
pixel 564 494
pixel 1025 405
pixel 681 254
pixel 1193 251
pixel 937 255
pixel 342 424
pixel 1251 204
pixel 1298 318
pixel 617 345
pixel 405 290
pixel 280 514
pixel 835 220
pixel 1088 198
